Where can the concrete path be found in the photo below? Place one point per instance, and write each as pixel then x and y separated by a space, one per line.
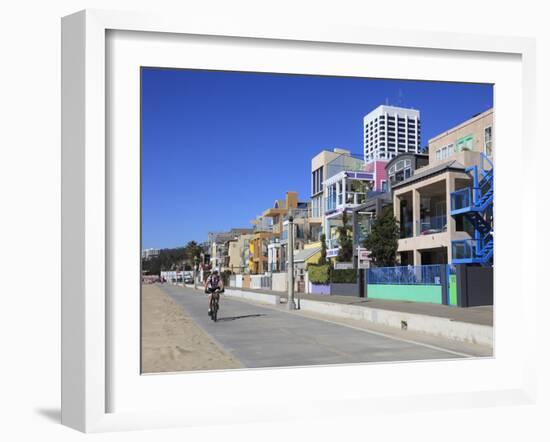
pixel 267 337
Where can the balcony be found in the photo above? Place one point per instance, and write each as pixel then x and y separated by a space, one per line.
pixel 263 228
pixel 461 200
pixel 344 163
pixel 465 252
pixel 431 225
pixel 337 201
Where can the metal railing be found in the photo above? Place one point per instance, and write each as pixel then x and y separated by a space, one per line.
pixel 352 199
pixel 431 225
pixel 464 248
pixel 405 275
pixel 461 199
pixel 344 162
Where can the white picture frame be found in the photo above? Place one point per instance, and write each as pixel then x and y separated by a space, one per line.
pixel 86 206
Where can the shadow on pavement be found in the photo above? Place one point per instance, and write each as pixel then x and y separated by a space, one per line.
pixel 232 318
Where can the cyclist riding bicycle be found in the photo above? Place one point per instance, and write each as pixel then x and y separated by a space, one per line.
pixel 213 283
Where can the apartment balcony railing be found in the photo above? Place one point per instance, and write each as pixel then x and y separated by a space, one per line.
pixel 461 199
pixel 337 201
pixel 344 162
pixel 299 214
pixel 464 249
pixel 263 228
pixel 431 225
pixel 406 229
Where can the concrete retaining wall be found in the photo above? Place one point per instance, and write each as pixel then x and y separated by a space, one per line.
pixel 239 281
pixel 256 281
pixel 319 289
pixel 444 327
pixel 413 293
pixel 279 282
pixel 343 289
pixel 253 296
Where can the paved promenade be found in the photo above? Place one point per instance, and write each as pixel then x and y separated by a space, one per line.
pixel 261 336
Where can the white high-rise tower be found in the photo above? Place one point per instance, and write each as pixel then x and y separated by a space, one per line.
pixel 389 131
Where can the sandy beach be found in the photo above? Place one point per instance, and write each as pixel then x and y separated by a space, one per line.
pixel 172 342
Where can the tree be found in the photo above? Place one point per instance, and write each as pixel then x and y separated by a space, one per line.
pixel 382 240
pixel 345 254
pixel 192 251
pixel 323 258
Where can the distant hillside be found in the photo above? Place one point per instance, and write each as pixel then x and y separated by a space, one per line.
pixel 179 258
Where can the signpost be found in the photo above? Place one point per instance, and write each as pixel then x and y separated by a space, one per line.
pixel 363 264
pixel 363 258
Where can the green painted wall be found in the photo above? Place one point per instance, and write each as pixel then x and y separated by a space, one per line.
pixel 415 293
pixel 452 290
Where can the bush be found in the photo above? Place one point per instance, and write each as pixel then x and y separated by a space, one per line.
pixel 319 274
pixel 225 277
pixel 344 276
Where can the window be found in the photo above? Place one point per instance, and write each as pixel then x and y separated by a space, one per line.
pixel 488 141
pixel 465 143
pixel 317 181
pixel 384 185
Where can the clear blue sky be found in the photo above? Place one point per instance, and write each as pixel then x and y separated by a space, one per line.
pixel 219 147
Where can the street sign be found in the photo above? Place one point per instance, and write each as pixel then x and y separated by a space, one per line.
pixel 363 258
pixel 343 265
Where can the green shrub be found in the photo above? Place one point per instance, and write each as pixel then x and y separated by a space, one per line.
pixel 319 274
pixel 344 276
pixel 225 277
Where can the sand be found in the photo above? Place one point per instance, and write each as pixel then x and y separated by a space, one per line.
pixel 171 341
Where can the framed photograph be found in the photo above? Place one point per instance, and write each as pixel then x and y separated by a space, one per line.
pixel 266 222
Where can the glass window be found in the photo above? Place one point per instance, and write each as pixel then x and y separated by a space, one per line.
pixel 488 145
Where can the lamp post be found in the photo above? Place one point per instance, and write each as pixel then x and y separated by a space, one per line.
pixel 290 261
pixel 196 259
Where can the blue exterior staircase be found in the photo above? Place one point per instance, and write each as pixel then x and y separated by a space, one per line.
pixel 475 203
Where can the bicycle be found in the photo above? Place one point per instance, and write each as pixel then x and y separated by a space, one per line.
pixel 215 304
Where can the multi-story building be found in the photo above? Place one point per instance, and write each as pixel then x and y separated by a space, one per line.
pixel 148 254
pixel 389 131
pixel 396 170
pixel 276 214
pixel 319 173
pixel 277 244
pixel 218 246
pixel 464 142
pixel 238 253
pixel 404 165
pixel 258 251
pixel 302 231
pixel 345 187
pixel 349 182
pixel 444 206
